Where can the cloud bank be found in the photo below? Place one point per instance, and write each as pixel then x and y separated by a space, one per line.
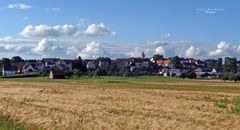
pixel 44 31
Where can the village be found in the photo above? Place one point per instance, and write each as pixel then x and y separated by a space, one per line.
pixel 156 65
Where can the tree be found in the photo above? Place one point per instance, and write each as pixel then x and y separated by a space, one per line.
pixel 1 63
pixel 218 64
pixel 79 58
pixel 231 76
pixel 191 75
pixel 79 64
pixel 16 59
pixel 6 61
pixel 77 73
pixel 176 62
pixel 100 72
pixel 230 65
pixel 183 75
pixel 225 77
pixel 44 73
pixel 125 72
pixel 237 77
pixel 90 74
pixel 157 57
pixel 112 70
pixel 188 74
pixel 97 73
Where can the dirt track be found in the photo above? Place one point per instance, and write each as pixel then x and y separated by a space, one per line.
pixel 81 106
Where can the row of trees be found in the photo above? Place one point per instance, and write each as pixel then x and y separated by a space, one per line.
pixel 14 59
pixel 231 76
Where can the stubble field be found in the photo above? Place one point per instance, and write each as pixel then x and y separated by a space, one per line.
pixel 120 103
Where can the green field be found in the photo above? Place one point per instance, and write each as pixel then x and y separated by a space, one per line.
pixel 144 82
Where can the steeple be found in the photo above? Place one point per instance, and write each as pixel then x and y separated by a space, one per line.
pixel 143 55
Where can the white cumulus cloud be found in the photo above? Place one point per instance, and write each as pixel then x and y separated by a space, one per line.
pixel 43 31
pixel 6 38
pixel 98 30
pixel 13 47
pixel 238 49
pixel 222 49
pixel 160 50
pixel 72 50
pixel 48 31
pixel 92 50
pixel 192 52
pixel 137 52
pixel 19 6
pixel 45 46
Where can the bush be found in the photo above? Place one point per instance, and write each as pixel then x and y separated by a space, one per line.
pixel 231 76
pixel 21 75
pixel 237 77
pixel 188 74
pixel 191 75
pixel 183 75
pixel 77 73
pixel 225 76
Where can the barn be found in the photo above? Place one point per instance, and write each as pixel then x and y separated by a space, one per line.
pixel 57 75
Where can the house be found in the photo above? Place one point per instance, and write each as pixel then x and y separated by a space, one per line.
pixel 50 62
pixel 65 63
pixel 39 66
pixel 120 63
pixel 203 75
pixel 190 66
pixel 28 68
pixel 170 71
pixel 164 63
pixel 9 70
pixel 183 60
pixel 205 72
pixel 57 75
pixel 238 63
pixel 103 63
pixel 90 65
pixel 138 63
pixel 200 63
pixel 20 66
pixel 203 69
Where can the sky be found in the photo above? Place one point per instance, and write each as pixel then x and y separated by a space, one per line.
pixel 118 29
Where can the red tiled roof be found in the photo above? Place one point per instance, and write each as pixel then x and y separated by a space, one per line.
pixel 163 62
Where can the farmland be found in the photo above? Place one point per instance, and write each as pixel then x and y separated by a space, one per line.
pixel 120 103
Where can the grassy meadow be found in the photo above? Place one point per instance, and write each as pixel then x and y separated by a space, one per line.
pixel 144 102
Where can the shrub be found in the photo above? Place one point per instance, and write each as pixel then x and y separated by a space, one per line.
pixel 225 76
pixel 237 77
pixel 183 75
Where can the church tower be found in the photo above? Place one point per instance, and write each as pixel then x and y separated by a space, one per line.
pixel 143 55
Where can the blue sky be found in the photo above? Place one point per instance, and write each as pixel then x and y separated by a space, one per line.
pixel 198 26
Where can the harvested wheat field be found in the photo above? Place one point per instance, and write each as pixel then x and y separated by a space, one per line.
pixel 121 104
